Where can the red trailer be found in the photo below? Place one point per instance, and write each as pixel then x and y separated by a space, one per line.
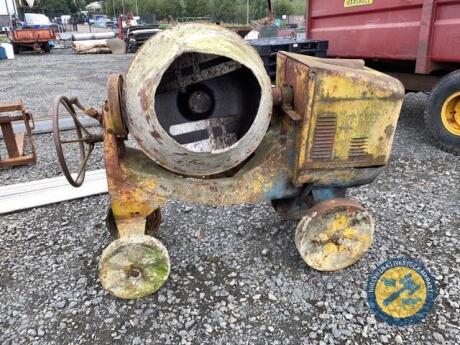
pixel 36 39
pixel 417 41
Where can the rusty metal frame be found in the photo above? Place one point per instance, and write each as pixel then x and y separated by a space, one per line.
pixel 15 142
pixel 138 186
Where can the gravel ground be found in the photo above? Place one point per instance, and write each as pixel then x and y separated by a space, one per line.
pixel 236 276
pixel 38 78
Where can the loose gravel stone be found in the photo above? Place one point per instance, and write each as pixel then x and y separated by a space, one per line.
pixel 226 261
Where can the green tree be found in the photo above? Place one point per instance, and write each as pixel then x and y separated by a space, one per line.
pixel 196 8
pixel 226 11
pixel 298 7
pixel 258 9
pixel 283 7
pixel 168 8
pixel 56 6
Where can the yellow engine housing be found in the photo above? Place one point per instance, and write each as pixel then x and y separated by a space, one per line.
pixel 348 113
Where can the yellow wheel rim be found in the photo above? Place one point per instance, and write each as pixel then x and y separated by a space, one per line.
pixel 450 114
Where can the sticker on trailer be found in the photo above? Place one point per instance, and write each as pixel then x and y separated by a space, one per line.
pixel 352 3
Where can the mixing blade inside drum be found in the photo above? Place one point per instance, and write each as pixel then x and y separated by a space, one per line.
pixel 207 102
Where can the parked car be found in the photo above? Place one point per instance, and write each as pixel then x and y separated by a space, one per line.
pixel 137 35
pixel 110 24
pixel 36 20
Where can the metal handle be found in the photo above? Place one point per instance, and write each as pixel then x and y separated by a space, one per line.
pixel 85 139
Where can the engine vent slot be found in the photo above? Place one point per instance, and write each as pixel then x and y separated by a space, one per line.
pixel 358 148
pixel 323 142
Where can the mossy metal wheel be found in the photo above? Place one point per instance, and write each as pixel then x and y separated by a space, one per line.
pixel 134 267
pixel 334 234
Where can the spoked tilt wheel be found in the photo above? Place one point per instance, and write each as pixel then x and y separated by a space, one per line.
pixel 134 267
pixel 334 234
pixel 85 139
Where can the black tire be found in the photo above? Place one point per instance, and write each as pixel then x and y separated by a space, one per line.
pixel 446 87
pixel 47 47
pixel 15 49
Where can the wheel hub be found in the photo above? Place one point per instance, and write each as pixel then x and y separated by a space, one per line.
pixel 135 273
pixel 200 102
pixel 450 114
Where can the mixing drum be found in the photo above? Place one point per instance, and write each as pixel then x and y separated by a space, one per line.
pixel 197 99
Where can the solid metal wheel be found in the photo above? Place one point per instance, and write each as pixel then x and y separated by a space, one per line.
pixel 134 267
pixel 334 234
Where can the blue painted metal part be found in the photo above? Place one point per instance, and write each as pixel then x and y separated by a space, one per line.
pixel 326 193
pixel 2 53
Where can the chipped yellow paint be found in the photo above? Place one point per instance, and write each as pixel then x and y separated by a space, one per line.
pixel 365 107
pixel 350 233
pixel 142 186
pixel 365 103
pixel 331 248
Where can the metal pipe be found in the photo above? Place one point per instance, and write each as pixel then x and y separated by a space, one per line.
pixel 247 12
pixel 8 13
pixel 93 36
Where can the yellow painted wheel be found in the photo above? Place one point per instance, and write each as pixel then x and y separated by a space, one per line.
pixel 442 116
pixel 450 114
pixel 134 267
pixel 334 234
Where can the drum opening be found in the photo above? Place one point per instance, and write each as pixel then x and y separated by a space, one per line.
pixel 207 103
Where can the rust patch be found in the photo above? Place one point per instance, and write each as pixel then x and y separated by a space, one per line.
pixel 156 135
pixel 144 94
pixel 389 130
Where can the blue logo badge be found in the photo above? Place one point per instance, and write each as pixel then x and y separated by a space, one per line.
pixel 401 291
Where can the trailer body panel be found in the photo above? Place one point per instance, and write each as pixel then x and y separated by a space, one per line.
pixel 423 31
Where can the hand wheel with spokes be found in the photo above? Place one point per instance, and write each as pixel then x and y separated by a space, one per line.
pixel 84 138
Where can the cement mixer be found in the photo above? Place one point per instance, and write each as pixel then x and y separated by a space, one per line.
pixel 209 128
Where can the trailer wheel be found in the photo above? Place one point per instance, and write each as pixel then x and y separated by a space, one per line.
pixel 47 47
pixel 15 48
pixel 443 113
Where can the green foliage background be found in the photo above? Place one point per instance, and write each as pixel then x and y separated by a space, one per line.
pixel 219 10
